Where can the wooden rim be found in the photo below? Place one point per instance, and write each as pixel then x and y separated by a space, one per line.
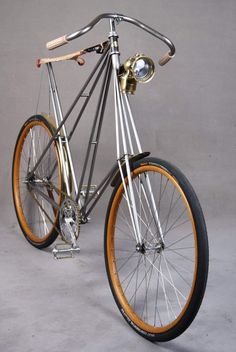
pixel 16 184
pixel 128 311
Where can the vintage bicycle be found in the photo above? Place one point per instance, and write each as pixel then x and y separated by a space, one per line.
pixel 155 242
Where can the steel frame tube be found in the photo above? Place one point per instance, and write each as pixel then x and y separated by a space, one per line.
pixel 59 108
pixel 69 112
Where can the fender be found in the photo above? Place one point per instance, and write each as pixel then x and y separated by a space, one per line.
pixel 51 122
pixel 116 178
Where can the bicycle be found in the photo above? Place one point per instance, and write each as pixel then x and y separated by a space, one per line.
pixel 155 242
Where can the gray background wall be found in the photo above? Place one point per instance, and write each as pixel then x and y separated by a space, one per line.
pixel 186 114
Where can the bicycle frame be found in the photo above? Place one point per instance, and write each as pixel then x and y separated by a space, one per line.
pixel 128 145
pixel 155 238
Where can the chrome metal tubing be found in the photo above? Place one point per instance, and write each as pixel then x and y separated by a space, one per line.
pixel 105 62
pixel 58 119
pixel 133 124
pixel 98 120
pixel 129 196
pixel 69 112
pixel 119 18
pixel 59 109
pixel 151 206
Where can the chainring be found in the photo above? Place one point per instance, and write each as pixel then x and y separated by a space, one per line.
pixel 69 219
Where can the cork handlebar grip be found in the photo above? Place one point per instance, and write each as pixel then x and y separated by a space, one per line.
pixel 167 57
pixel 55 43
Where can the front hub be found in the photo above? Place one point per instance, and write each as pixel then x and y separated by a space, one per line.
pixel 143 248
pixel 140 248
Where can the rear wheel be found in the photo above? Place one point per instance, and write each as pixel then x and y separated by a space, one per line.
pixel 158 284
pixel 37 198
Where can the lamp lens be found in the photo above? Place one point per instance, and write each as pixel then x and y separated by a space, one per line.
pixel 141 69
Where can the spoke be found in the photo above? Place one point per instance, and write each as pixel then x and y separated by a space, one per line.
pixel 172 281
pixel 165 295
pixel 36 198
pixel 174 267
pixel 49 161
pixel 156 298
pixel 132 273
pixel 124 250
pixel 148 228
pixel 141 283
pixel 140 199
pixel 164 277
pixel 153 235
pixel 38 139
pixel 136 282
pixel 142 208
pixel 35 222
pixel 181 255
pixel 29 155
pixel 172 226
pixel 156 282
pixel 181 239
pixel 33 143
pixel 123 239
pixel 24 156
pixel 162 193
pixel 126 220
pixel 121 258
pixel 46 230
pixel 126 261
pixel 39 209
pixel 26 194
pixel 153 212
pixel 182 248
pixel 125 233
pixel 147 285
pixel 159 199
pixel 51 221
pixel 140 204
pixel 170 207
pixel 182 223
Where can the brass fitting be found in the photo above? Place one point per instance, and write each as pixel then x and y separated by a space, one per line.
pixel 129 72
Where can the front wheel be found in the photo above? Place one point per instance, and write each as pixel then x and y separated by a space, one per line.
pixel 158 284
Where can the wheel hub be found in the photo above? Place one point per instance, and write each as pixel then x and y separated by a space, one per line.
pixel 143 248
pixel 140 248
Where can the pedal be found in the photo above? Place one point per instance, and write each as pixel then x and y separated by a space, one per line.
pixel 63 251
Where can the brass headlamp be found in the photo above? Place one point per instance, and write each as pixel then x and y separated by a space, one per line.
pixel 138 68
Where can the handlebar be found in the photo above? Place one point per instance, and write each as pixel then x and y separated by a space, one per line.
pixel 53 44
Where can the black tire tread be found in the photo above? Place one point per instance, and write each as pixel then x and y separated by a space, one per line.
pixel 49 240
pixel 202 271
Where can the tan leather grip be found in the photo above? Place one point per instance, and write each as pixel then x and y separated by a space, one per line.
pixel 165 59
pixel 53 44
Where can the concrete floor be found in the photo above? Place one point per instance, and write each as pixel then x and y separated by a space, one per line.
pixel 66 305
